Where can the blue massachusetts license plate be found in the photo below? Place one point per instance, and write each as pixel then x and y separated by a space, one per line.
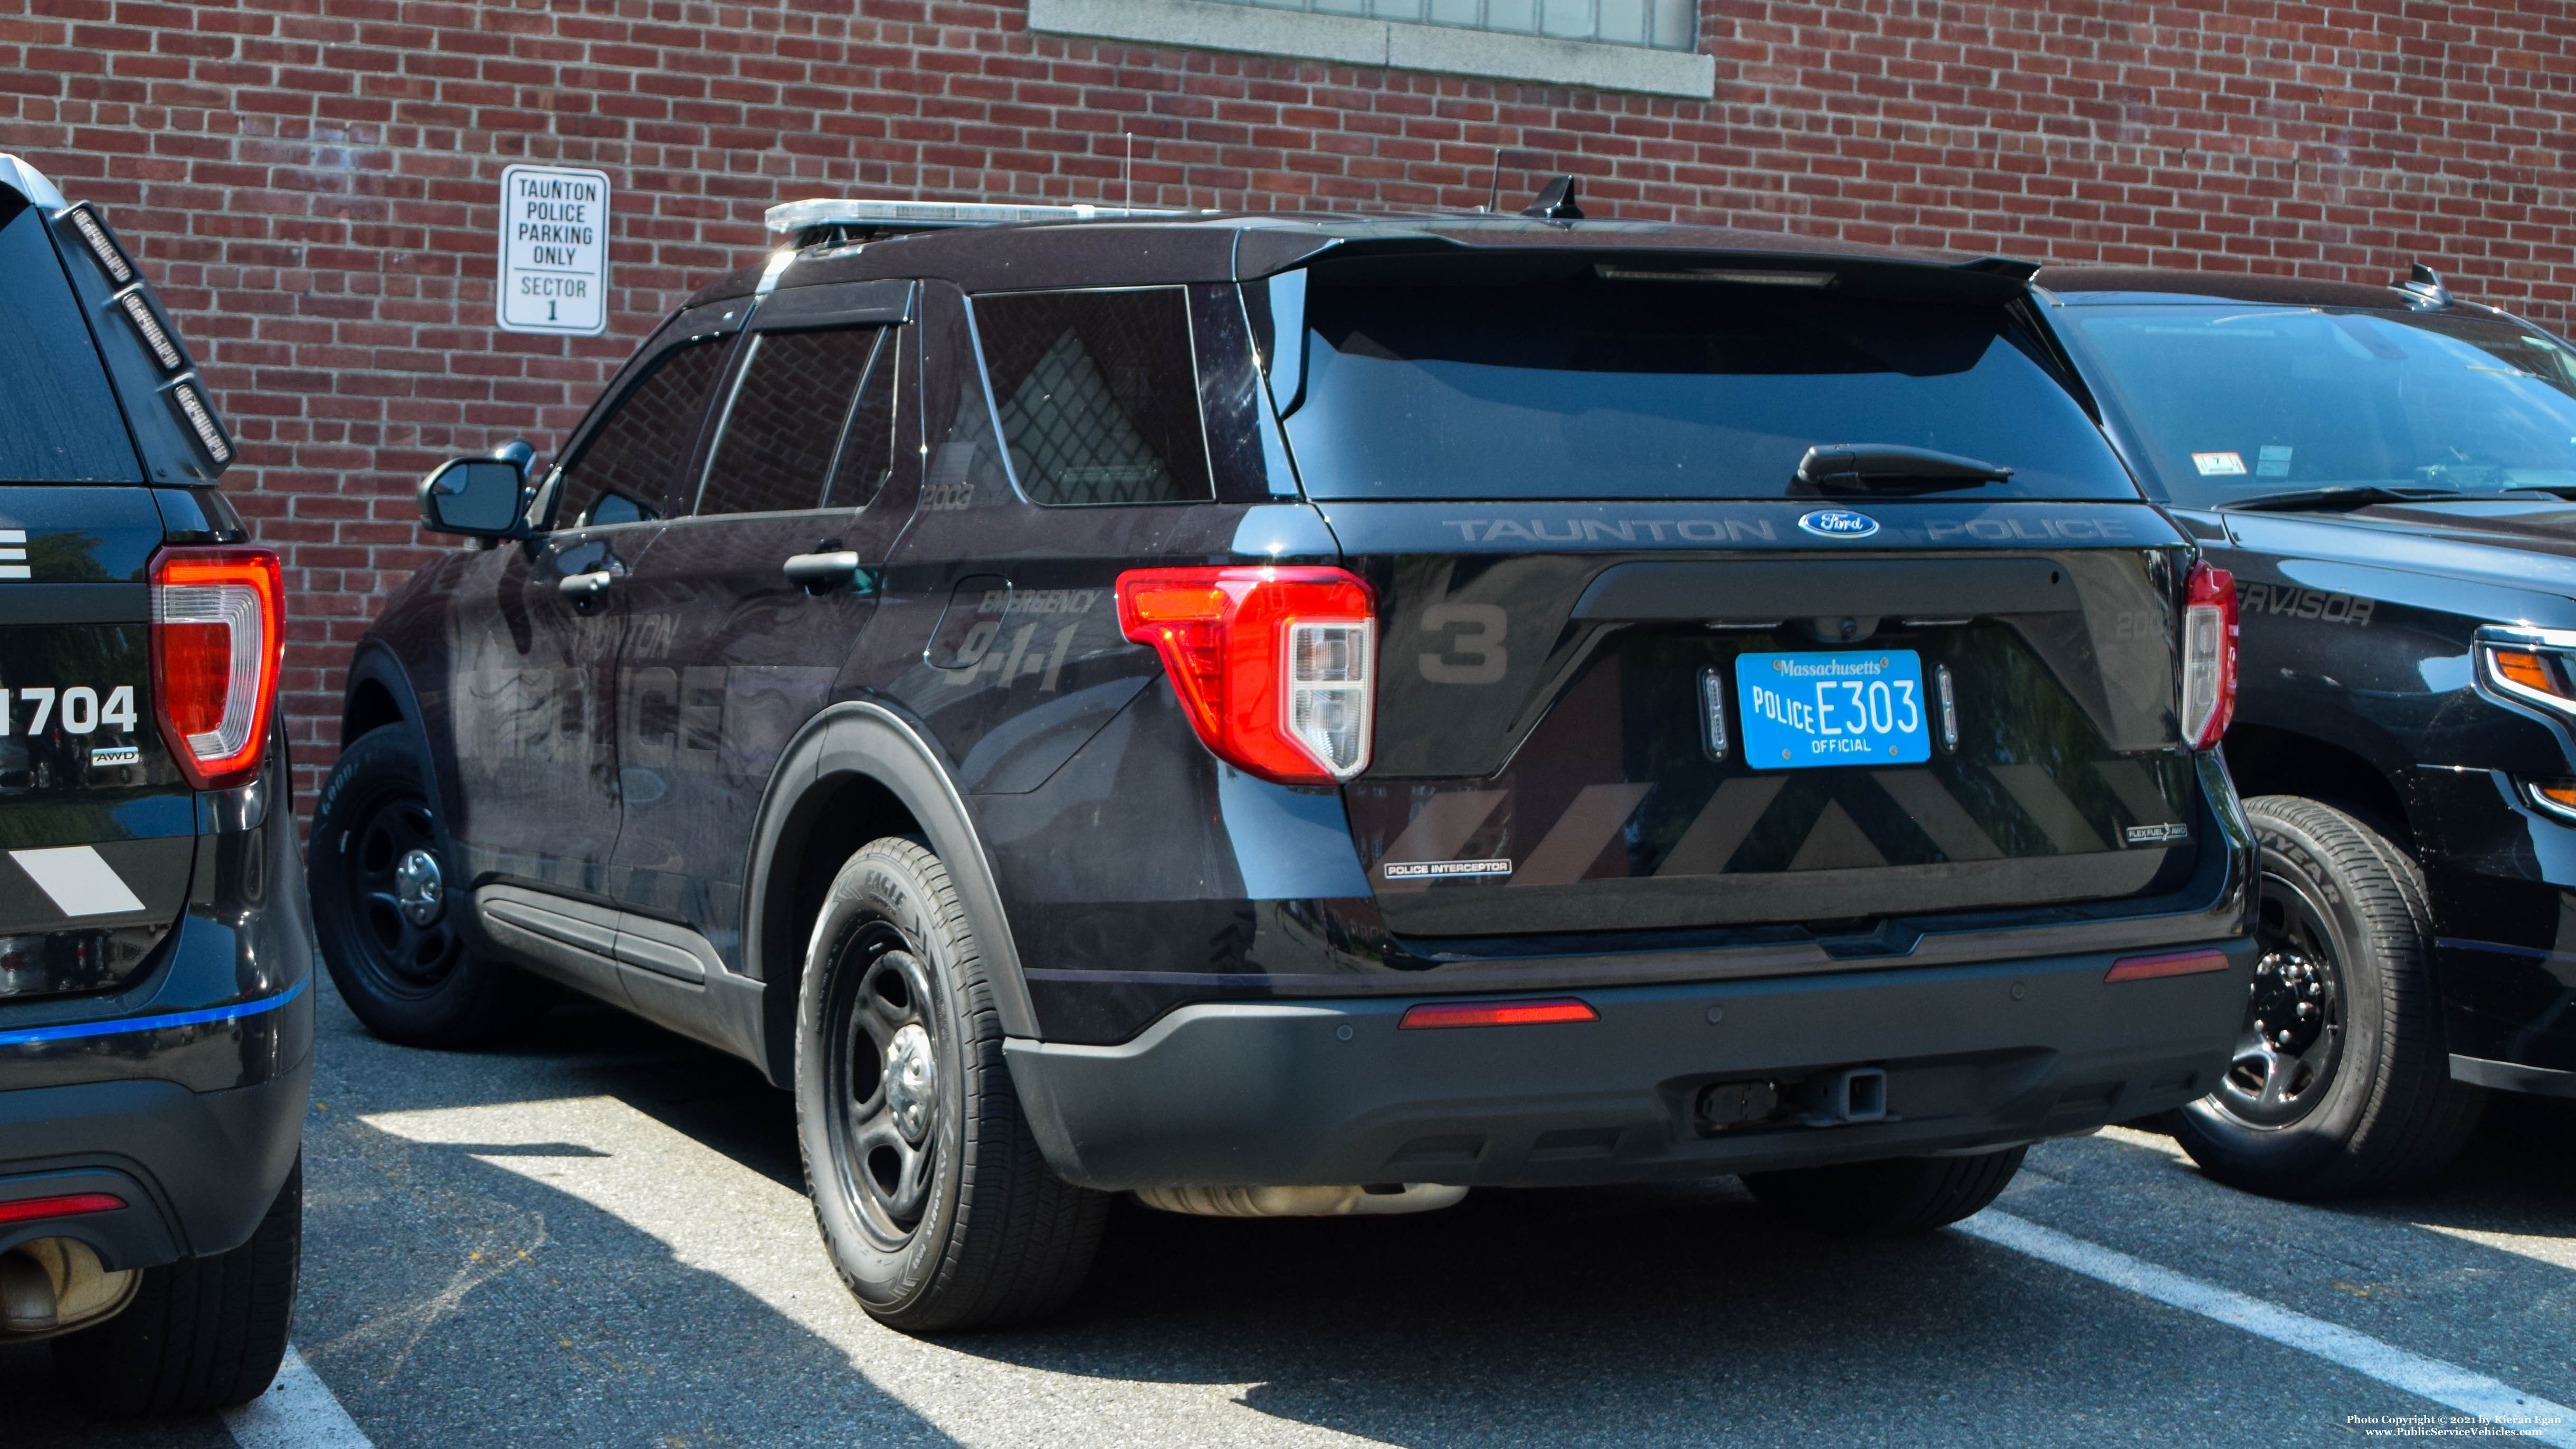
pixel 1850 707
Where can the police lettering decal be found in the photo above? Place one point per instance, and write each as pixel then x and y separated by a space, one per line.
pixel 2314 604
pixel 1838 523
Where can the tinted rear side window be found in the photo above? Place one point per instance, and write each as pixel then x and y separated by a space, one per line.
pixel 867 446
pixel 1097 394
pixel 59 422
pixel 631 464
pixel 786 420
pixel 1588 387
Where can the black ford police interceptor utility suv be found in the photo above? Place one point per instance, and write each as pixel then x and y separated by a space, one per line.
pixel 2388 472
pixel 1308 715
pixel 155 1034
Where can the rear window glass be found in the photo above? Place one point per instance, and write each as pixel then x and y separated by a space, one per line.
pixel 628 469
pixel 1589 387
pixel 1097 394
pixel 786 420
pixel 59 422
pixel 2235 403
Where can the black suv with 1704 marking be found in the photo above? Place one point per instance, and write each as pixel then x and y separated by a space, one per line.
pixel 1311 715
pixel 155 1035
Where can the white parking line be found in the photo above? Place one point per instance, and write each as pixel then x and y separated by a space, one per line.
pixel 297 1412
pixel 2428 1378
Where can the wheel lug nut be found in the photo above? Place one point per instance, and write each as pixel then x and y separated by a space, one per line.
pixel 2259 1027
pixel 2306 1010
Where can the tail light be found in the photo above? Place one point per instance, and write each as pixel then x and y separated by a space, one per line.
pixel 218 636
pixel 2208 655
pixel 1275 665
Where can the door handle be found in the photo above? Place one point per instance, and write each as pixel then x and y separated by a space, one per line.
pixel 582 588
pixel 818 573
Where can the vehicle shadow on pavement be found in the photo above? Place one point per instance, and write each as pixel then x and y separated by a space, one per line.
pixel 1571 1316
pixel 1611 1316
pixel 36 1413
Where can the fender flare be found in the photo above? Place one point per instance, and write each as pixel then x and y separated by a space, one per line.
pixel 864 739
pixel 376 661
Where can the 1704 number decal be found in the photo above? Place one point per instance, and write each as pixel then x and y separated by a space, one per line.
pixel 79 710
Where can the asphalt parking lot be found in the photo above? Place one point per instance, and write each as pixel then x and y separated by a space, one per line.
pixel 599 1237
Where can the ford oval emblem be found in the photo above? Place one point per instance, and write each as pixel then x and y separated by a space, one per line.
pixel 1838 523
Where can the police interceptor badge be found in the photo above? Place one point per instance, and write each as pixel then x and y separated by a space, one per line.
pixel 1839 523
pixel 1444 869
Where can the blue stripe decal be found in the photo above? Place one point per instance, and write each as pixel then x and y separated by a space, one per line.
pixel 70 1030
pixel 2500 948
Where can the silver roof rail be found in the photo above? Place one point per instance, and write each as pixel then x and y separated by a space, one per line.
pixel 828 219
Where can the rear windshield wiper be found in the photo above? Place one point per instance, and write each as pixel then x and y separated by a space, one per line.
pixel 2345 496
pixel 1843 468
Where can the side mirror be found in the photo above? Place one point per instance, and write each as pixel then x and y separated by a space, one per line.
pixel 483 497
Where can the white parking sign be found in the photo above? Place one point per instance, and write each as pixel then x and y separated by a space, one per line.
pixel 554 250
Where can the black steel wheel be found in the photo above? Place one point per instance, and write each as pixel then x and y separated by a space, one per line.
pixel 387 902
pixel 937 1207
pixel 397 882
pixel 886 1060
pixel 2294 1030
pixel 2339 1082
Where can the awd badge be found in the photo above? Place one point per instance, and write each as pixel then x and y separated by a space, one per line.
pixel 1838 523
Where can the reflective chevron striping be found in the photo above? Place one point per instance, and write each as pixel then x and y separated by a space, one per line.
pixel 1579 835
pixel 1721 826
pixel 1444 824
pixel 79 880
pixel 1938 814
pixel 2039 796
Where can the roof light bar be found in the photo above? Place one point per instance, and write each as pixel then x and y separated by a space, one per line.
pixel 102 244
pixel 822 214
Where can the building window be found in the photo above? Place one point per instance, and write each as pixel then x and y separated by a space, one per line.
pixel 1645 46
pixel 1663 24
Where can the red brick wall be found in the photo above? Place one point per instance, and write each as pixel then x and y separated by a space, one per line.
pixel 313 183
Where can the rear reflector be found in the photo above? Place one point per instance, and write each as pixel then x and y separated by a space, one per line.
pixel 69 1205
pixel 2147 968
pixel 1496 1013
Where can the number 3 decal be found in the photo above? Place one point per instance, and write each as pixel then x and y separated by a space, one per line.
pixel 1470 657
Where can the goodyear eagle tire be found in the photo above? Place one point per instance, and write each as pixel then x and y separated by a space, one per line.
pixel 938 1209
pixel 2340 1082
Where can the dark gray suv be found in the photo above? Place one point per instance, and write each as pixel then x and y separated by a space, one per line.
pixel 1316 714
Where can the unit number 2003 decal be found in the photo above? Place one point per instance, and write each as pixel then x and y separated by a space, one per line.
pixel 80 710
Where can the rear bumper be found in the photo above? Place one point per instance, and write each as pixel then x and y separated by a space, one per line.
pixel 184 1095
pixel 1325 1092
pixel 197 1170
